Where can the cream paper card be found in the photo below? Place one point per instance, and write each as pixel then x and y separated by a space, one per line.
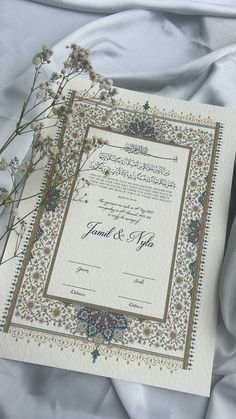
pixel 119 278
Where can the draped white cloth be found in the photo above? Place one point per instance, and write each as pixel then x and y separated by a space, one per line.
pixel 180 48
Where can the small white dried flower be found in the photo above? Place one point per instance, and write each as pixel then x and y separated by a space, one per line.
pixel 45 140
pixel 14 165
pixel 33 125
pixel 64 113
pixel 42 57
pixel 16 212
pixel 55 76
pixel 24 166
pixel 47 52
pixel 53 151
pixel 103 95
pixel 42 86
pixel 104 85
pixel 3 164
pixel 88 145
pixel 100 78
pixel 93 75
pixel 99 141
pixel 113 91
pixel 52 94
pixel 42 143
pixel 78 59
pixel 107 115
pixel 41 94
pixel 3 195
pixel 37 60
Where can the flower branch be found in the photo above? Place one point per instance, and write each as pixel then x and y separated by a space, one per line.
pixel 46 107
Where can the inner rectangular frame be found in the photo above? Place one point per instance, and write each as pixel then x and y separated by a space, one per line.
pixel 112 309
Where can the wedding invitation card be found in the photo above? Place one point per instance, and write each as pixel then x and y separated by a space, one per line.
pixel 120 267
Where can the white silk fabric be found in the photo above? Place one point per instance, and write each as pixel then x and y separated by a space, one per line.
pixel 178 48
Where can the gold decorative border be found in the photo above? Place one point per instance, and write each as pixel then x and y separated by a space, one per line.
pixel 201 246
pixel 62 341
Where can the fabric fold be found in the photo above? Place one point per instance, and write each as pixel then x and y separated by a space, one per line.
pixel 183 49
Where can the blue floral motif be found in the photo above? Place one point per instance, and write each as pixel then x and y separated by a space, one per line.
pixel 194 231
pixel 141 128
pixel 146 106
pixel 52 200
pixel 201 198
pixel 39 233
pixel 95 353
pixel 102 323
pixel 59 162
pixel 192 268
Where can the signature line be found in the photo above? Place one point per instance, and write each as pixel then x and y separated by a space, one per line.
pixel 134 299
pixel 140 276
pixel 86 264
pixel 81 288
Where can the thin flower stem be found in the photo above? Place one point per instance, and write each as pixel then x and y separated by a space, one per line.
pixel 12 257
pixel 17 243
pixel 19 221
pixel 25 104
pixel 23 179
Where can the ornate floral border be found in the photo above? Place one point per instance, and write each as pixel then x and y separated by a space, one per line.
pixel 176 333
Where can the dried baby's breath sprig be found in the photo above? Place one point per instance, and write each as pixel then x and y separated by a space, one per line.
pixel 43 57
pixel 63 113
pixel 45 107
pixel 93 143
